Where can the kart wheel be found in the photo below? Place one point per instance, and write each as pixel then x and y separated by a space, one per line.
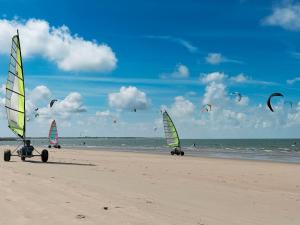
pixel 58 146
pixel 7 155
pixel 172 152
pixel 44 155
pixel 182 153
pixel 23 158
pixel 177 153
pixel 49 146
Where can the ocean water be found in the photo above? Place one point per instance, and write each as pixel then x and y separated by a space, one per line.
pixel 279 150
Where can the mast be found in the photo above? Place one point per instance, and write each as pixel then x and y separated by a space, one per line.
pixel 24 129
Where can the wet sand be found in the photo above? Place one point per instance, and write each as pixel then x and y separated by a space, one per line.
pixel 102 187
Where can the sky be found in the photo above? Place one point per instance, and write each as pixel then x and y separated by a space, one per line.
pixel 103 59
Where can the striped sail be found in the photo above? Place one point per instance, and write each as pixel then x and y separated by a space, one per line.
pixel 53 135
pixel 15 92
pixel 170 131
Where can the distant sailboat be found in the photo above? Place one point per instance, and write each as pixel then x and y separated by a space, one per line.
pixel 171 134
pixel 15 104
pixel 53 135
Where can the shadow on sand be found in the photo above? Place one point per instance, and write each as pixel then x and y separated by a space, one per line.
pixel 62 163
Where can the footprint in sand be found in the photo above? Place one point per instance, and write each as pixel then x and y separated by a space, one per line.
pixel 105 208
pixel 80 216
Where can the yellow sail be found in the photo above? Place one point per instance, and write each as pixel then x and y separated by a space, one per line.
pixel 15 92
pixel 170 131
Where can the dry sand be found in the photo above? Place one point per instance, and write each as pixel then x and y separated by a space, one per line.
pixel 76 186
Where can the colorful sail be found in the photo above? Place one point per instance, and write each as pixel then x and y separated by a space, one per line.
pixel 53 134
pixel 15 91
pixel 170 131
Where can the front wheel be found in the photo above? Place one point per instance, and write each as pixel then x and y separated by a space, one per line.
pixel 58 146
pixel 44 155
pixel 49 146
pixel 172 152
pixel 182 153
pixel 7 155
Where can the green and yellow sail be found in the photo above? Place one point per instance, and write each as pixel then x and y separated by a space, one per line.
pixel 170 131
pixel 15 92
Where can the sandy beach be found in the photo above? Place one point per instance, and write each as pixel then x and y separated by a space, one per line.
pixel 102 187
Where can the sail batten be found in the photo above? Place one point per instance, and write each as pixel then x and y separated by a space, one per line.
pixel 15 92
pixel 171 134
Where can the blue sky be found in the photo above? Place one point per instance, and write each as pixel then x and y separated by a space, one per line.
pixel 162 53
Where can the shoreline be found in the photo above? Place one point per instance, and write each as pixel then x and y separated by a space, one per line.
pixel 188 153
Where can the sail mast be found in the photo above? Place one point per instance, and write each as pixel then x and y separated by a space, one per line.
pixel 24 129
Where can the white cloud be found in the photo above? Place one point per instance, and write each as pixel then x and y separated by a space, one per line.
pixel 286 16
pixel 217 58
pixel 105 113
pixel 215 93
pixel 214 58
pixel 292 81
pixel 210 77
pixel 128 98
pixel 241 78
pixel 40 92
pixel 57 44
pixel 181 71
pixel 71 104
pixel 182 107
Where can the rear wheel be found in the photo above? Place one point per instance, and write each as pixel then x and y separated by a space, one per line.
pixel 49 146
pixel 7 155
pixel 172 152
pixel 23 158
pixel 182 153
pixel 58 146
pixel 44 155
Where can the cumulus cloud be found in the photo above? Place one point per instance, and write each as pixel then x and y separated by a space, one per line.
pixel 71 104
pixel 210 77
pixel 128 98
pixel 39 94
pixel 181 71
pixel 57 44
pixel 286 16
pixel 182 107
pixel 214 93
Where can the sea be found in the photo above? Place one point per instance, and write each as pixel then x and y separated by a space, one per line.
pixel 277 150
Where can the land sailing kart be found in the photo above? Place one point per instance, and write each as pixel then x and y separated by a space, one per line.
pixel 26 152
pixel 15 104
pixel 54 146
pixel 171 134
pixel 177 151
